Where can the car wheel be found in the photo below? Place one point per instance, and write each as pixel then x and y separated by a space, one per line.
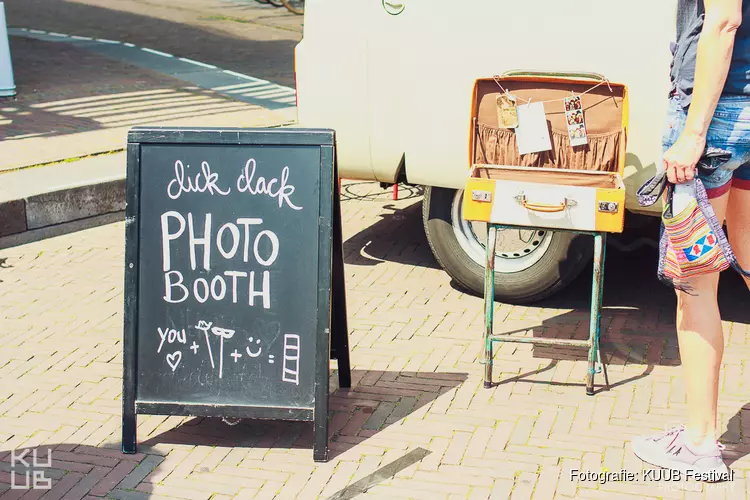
pixel 530 265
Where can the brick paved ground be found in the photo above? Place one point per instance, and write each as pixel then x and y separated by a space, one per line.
pixel 417 384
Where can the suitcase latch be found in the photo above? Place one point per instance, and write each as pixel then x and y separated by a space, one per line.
pixel 610 207
pixel 483 196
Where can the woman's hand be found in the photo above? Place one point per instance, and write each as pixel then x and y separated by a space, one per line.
pixel 680 160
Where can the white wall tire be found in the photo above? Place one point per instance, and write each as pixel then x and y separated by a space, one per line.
pixel 530 265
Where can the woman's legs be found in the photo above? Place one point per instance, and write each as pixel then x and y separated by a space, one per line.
pixel 738 226
pixel 701 342
pixel 699 331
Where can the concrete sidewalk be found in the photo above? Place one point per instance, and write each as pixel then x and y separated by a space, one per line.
pixel 58 160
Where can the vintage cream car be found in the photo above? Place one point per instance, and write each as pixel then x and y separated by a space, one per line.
pixel 394 79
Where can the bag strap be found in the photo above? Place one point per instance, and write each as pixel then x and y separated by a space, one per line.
pixel 661 267
pixel 650 192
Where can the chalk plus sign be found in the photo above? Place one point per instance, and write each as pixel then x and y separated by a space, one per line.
pixel 194 347
pixel 236 355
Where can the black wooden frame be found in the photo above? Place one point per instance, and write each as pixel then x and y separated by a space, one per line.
pixel 332 326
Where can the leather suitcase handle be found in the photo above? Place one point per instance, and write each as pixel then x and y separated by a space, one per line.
pixel 544 207
pixel 558 74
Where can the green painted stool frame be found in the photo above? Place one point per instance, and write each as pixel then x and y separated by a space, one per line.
pixel 594 357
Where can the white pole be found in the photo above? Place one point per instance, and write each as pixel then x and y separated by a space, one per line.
pixel 7 86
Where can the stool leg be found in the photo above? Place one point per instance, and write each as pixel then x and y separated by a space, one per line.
pixel 597 290
pixel 489 302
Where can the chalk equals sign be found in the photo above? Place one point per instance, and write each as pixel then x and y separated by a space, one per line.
pixel 290 372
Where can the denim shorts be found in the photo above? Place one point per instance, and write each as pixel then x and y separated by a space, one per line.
pixel 729 130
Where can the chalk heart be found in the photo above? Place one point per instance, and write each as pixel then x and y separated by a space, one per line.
pixel 174 359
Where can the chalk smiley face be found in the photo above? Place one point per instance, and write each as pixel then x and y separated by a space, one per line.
pixel 253 354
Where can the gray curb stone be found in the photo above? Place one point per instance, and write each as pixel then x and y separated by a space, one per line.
pixel 75 203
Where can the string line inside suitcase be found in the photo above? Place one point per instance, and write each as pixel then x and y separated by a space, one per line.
pixel 603 114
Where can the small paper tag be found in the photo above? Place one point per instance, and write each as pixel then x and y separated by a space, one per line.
pixel 574 118
pixel 507 117
pixel 532 134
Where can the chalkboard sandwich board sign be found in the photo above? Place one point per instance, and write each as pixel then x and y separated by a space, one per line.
pixel 234 276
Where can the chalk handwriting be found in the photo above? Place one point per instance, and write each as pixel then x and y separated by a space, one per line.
pixel 167 235
pixel 174 359
pixel 222 333
pixel 227 249
pixel 217 289
pixel 274 240
pixel 170 336
pixel 205 180
pixel 247 183
pixel 253 354
pixel 253 349
pixel 204 326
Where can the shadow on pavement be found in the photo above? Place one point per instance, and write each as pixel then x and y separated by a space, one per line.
pixel 738 444
pixel 398 236
pixel 270 55
pixel 65 88
pixel 73 471
pixel 638 319
pixel 103 93
pixel 376 400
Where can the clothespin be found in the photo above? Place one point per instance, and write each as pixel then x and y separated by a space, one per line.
pixel 606 80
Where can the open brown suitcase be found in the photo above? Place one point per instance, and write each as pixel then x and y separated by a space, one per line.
pixel 573 188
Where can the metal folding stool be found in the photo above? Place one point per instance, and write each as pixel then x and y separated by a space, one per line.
pixel 594 355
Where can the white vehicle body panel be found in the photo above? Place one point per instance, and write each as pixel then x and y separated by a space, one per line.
pixel 396 86
pixel 331 72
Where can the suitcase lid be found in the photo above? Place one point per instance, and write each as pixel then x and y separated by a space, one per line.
pixel 605 108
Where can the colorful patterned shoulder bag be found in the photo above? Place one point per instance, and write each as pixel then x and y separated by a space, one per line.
pixel 692 242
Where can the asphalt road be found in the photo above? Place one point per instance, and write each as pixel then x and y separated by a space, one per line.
pixel 239 35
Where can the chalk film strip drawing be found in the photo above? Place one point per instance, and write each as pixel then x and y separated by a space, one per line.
pixel 291 358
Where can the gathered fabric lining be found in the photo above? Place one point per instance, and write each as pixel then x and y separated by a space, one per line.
pixel 498 146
